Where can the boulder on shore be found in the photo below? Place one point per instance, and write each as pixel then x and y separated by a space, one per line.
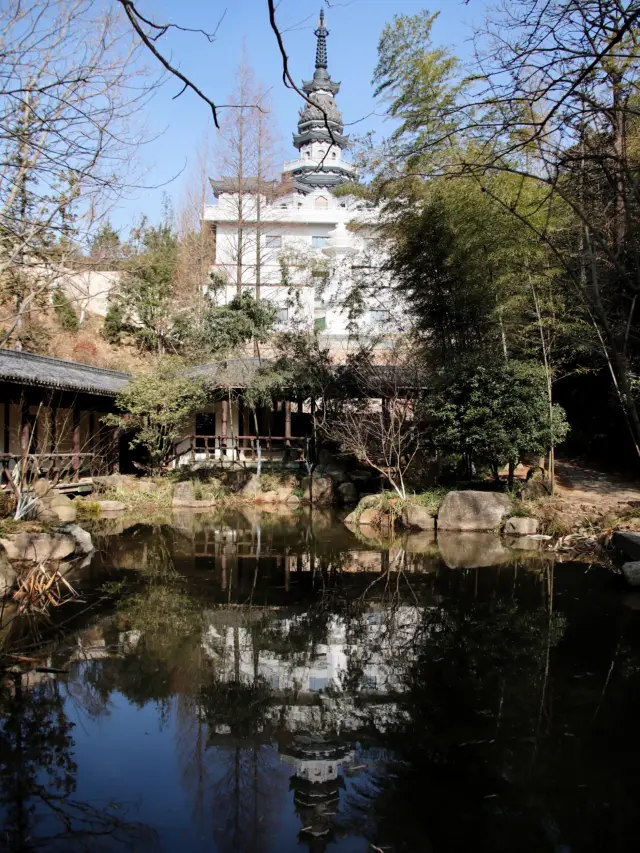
pixel 418 517
pixel 318 489
pixel 38 547
pixel 473 511
pixel 521 526
pixel 111 506
pixel 348 493
pixel 369 517
pixel 183 494
pixel 631 573
pixel 82 538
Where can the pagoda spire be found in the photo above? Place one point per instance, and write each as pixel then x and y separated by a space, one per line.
pixel 321 50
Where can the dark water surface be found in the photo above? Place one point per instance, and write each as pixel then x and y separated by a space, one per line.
pixel 269 684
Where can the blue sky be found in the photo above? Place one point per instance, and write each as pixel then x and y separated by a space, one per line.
pixel 355 25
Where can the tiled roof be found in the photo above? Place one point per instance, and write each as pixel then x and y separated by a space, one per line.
pixel 28 369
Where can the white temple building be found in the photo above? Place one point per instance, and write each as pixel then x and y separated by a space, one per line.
pixel 294 241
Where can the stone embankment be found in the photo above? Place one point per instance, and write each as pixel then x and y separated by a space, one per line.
pixel 463 511
pixel 63 546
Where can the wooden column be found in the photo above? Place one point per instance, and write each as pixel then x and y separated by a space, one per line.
pixel 54 428
pixel 241 427
pixel 76 445
pixel 115 449
pixel 7 433
pixel 223 428
pixel 287 423
pixel 24 432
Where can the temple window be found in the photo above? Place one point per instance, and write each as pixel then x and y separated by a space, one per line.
pixel 322 203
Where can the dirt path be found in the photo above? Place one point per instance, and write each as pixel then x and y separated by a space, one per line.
pixel 578 485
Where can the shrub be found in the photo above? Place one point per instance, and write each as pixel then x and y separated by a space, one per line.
pixel 65 312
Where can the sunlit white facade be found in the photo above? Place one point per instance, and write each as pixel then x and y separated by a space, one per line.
pixel 305 246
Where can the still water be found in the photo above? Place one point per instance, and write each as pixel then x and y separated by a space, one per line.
pixel 257 683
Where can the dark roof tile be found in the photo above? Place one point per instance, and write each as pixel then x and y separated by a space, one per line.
pixel 28 369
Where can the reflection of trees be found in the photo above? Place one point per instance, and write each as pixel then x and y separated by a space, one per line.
pixel 467 728
pixel 38 778
pixel 237 715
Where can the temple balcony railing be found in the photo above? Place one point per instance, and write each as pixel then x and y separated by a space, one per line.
pixel 17 468
pixel 240 449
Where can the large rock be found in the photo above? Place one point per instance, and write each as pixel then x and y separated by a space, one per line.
pixel 111 506
pixel 368 501
pixel 45 514
pixel 42 488
pixel 472 550
pixel 66 513
pixel 521 526
pixel 318 489
pixel 348 493
pixel 369 517
pixel 283 491
pixel 627 544
pixel 183 494
pixel 419 517
pixel 7 575
pixel 109 481
pixel 81 537
pixel 58 499
pixel 38 547
pixel 252 487
pixel 473 511
pixel 631 573
pixel 363 479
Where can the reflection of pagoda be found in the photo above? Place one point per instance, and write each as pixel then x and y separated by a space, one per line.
pixel 316 784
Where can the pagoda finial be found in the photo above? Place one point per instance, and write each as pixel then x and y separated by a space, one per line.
pixel 321 34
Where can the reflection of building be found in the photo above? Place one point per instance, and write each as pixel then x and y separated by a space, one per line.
pixel 320 668
pixel 316 783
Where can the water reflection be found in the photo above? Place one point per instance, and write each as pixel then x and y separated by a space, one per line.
pixel 263 684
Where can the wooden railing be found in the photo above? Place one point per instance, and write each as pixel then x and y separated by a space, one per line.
pixel 56 467
pixel 241 448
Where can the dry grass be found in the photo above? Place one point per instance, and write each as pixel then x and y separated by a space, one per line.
pixel 44 336
pixel 41 588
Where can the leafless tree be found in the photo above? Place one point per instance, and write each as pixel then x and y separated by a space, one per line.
pixel 245 161
pixel 376 420
pixel 71 88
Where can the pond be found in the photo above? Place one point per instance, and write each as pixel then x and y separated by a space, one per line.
pixel 249 682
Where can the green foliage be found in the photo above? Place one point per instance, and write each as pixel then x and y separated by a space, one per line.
pixel 143 297
pixel 417 81
pixel 493 412
pixel 105 246
pixel 302 367
pixel 64 311
pixel 157 407
pixel 114 323
pixel 218 330
pixel 87 510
